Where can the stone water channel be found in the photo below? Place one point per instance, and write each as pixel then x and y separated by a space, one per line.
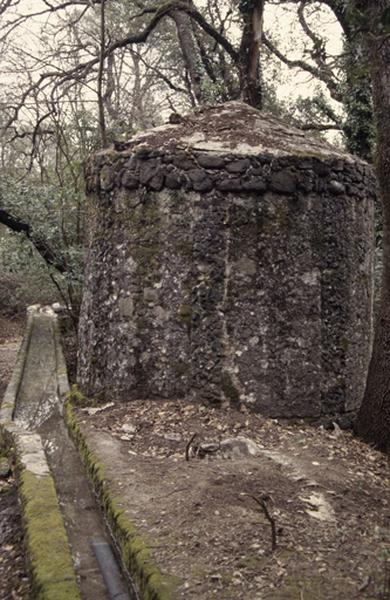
pixel 39 408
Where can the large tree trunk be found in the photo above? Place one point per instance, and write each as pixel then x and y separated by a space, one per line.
pixel 249 60
pixel 373 423
pixel 190 53
pixel 358 126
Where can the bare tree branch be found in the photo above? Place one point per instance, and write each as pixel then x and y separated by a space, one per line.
pixel 332 86
pixel 49 255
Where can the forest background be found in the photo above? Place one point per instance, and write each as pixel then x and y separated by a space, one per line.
pixel 79 75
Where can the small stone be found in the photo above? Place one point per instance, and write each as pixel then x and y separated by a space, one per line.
pixel 148 171
pixel 238 166
pixel 246 266
pixel 210 162
pixel 283 182
pixel 336 187
pixel 306 181
pixel 321 168
pixel 157 182
pixel 128 428
pixel 173 437
pixel 173 180
pixel 106 179
pixel 126 307
pixel 305 164
pixel 256 185
pixel 200 180
pixel 229 185
pixel 129 181
pixel 185 162
pixel 132 164
pixel 142 153
pixel 339 165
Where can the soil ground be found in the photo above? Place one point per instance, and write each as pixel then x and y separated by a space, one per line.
pixel 13 573
pixel 327 493
pixel 10 337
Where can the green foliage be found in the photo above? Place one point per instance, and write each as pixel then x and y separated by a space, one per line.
pixel 24 278
pixel 386 20
pixel 358 127
pixel 50 201
pixel 54 216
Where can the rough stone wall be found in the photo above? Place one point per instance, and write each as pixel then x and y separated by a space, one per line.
pixel 238 271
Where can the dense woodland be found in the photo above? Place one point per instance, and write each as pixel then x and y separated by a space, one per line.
pixel 79 75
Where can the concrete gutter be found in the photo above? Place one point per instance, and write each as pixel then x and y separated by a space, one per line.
pixel 135 554
pixel 49 556
pixel 11 393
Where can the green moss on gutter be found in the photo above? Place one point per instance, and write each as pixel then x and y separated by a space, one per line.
pixel 48 552
pixel 152 583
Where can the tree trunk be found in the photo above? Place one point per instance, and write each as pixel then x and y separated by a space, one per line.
pixel 373 423
pixel 102 119
pixel 249 60
pixel 190 52
pixel 358 127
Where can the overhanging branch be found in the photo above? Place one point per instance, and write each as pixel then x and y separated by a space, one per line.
pixel 49 255
pixel 319 73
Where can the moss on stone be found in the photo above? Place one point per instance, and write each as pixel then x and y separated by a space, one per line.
pixel 185 248
pixel 274 222
pixel 77 398
pixel 145 256
pixel 185 313
pixel 228 388
pixel 49 556
pixel 181 368
pixel 136 556
pixel 146 246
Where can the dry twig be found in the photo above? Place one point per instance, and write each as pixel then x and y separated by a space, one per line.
pixel 262 502
pixel 188 447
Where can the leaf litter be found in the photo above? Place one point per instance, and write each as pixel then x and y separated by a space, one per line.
pixel 305 516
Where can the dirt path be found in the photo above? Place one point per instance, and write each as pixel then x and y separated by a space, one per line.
pixel 13 573
pixel 327 492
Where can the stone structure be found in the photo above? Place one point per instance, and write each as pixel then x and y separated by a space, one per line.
pixel 230 259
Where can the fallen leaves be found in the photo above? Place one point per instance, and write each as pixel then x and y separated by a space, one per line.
pixel 324 475
pixel 13 572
